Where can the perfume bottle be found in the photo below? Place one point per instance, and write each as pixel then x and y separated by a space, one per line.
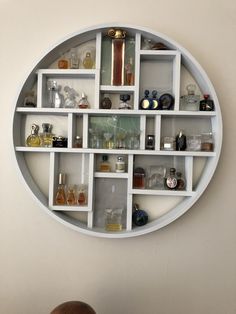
pixel 88 61
pixel 70 196
pixel 139 216
pixel 78 143
pixel 139 178
pixel 82 199
pixel 55 98
pixel 74 60
pixel 146 102
pixel 117 55
pixel 171 179
pixel 190 101
pixel 83 102
pixel 47 135
pixel 30 99
pixel 60 198
pixel 180 181
pixel 206 104
pixel 155 103
pixel 150 142
pixel 181 142
pixel 33 140
pixel 113 219
pixel 120 164
pixel 166 101
pixel 106 102
pixel 124 104
pixel 105 165
pixel 63 62
pixel 129 72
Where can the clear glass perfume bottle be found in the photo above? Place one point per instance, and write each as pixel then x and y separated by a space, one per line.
pixel 46 135
pixel 120 164
pixel 55 98
pixel 88 61
pixel 33 140
pixel 70 196
pixel 74 60
pixel 191 100
pixel 60 198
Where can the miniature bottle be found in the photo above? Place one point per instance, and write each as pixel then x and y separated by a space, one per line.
pixel 55 98
pixel 139 178
pixel 60 198
pixel 106 102
pixel 146 102
pixel 70 196
pixel 139 216
pixel 206 104
pixel 155 103
pixel 83 102
pixel 82 199
pixel 124 105
pixel 63 62
pixel 30 99
pixel 33 140
pixel 47 135
pixel 180 181
pixel 171 179
pixel 78 143
pixel 129 69
pixel 88 61
pixel 74 60
pixel 105 165
pixel 120 164
pixel 150 142
pixel 190 101
pixel 181 143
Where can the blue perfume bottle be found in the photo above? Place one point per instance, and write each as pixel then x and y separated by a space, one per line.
pixel 139 217
pixel 155 102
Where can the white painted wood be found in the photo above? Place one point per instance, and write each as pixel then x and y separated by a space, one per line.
pixel 178 57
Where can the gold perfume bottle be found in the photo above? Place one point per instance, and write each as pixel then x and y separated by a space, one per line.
pixel 105 165
pixel 60 198
pixel 47 135
pixel 33 140
pixel 88 61
pixel 82 197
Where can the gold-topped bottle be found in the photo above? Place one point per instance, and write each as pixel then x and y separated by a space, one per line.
pixel 60 198
pixel 33 140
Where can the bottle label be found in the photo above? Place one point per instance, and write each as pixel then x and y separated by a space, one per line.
pixel 120 167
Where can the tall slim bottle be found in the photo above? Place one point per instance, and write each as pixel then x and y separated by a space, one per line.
pixel 117 56
pixel 60 198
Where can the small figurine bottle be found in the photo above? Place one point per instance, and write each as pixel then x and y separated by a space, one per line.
pixel 171 179
pixel 83 102
pixel 33 140
pixel 206 104
pixel 70 196
pixel 47 135
pixel 88 61
pixel 82 199
pixel 55 98
pixel 78 143
pixel 124 104
pixel 60 198
pixel 181 142
pixel 129 69
pixel 105 165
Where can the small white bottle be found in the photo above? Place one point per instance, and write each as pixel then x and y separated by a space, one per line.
pixel 120 164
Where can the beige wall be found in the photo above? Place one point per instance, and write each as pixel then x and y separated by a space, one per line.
pixel 187 267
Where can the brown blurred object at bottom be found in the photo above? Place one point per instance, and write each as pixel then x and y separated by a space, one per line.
pixel 73 307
